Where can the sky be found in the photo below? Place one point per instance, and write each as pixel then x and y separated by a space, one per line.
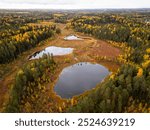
pixel 73 4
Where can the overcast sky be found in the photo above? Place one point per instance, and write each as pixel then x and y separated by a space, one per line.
pixel 73 4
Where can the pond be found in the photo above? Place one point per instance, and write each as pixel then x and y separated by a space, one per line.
pixel 56 51
pixel 79 78
pixel 72 37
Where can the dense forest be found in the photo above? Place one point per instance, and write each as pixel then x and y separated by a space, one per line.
pixel 125 90
pixel 120 28
pixel 28 87
pixel 17 36
pixel 129 89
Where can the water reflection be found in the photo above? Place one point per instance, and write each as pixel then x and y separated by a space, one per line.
pixel 56 51
pixel 78 78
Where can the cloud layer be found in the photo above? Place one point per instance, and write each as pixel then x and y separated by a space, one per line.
pixel 73 4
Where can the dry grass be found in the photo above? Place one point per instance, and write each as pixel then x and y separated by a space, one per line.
pixel 82 50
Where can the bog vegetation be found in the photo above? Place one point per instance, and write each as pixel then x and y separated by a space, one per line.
pixel 126 90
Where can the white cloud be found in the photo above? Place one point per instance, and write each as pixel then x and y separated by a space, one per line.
pixel 73 4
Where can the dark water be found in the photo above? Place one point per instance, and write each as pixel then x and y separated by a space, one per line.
pixel 56 51
pixel 79 78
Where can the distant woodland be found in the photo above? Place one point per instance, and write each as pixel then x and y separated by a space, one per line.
pixel 126 90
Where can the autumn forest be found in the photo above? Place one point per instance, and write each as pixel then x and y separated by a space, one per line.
pixel 75 61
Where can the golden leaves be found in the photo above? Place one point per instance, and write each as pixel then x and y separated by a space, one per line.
pixel 140 72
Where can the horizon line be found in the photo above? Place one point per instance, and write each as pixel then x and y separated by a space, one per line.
pixel 72 8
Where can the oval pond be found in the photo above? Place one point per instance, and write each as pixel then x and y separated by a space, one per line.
pixel 79 78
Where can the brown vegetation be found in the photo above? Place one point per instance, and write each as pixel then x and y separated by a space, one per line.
pixel 83 51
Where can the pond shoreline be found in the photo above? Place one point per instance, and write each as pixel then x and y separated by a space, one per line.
pixel 83 75
pixel 51 50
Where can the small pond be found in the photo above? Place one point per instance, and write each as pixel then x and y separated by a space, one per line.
pixel 56 51
pixel 79 78
pixel 72 37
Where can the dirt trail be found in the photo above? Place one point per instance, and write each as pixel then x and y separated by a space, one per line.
pixel 81 51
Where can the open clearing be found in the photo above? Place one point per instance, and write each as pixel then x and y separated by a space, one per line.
pixel 83 52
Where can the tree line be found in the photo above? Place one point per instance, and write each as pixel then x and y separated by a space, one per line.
pixel 128 90
pixel 116 28
pixel 25 39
